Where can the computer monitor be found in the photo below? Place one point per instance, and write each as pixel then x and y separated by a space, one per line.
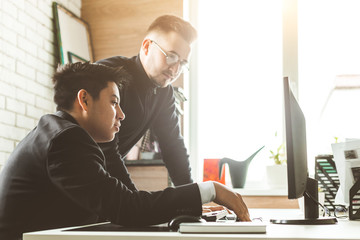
pixel 299 182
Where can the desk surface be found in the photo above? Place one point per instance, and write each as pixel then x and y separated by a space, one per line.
pixel 344 229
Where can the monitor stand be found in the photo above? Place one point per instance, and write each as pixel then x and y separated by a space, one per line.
pixel 311 208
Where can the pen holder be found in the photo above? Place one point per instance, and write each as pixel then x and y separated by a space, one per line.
pixel 326 174
pixel 354 208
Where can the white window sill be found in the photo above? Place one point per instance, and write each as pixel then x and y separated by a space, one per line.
pixel 261 189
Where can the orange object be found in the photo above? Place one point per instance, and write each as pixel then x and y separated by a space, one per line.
pixel 211 171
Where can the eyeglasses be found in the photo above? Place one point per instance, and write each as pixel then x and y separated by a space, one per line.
pixel 339 211
pixel 172 59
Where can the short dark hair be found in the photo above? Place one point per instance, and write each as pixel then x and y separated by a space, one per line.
pixel 70 78
pixel 168 23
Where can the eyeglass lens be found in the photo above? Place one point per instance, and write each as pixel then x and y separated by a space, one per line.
pixel 172 58
pixel 341 212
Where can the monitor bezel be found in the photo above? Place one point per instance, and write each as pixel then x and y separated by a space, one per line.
pixel 296 181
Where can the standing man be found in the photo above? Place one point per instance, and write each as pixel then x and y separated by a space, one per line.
pixel 148 100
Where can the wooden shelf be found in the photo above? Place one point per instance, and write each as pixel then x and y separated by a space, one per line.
pixel 148 174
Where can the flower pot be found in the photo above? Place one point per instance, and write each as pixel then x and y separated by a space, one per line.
pixel 276 176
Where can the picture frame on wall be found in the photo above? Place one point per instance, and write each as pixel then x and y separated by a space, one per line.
pixel 73 36
pixel 72 58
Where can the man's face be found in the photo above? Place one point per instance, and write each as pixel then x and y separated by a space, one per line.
pixel 105 114
pixel 155 62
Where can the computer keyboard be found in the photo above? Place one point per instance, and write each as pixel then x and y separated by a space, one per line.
pixel 223 222
pixel 223 227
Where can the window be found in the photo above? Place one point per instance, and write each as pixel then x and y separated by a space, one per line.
pixel 329 58
pixel 239 81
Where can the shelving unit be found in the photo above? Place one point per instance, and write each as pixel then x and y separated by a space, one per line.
pixel 149 175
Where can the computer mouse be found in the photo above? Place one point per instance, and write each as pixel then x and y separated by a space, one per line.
pixel 175 222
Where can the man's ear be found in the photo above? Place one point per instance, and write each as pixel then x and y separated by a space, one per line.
pixel 145 45
pixel 83 99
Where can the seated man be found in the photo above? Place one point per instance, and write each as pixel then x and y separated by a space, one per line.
pixel 57 177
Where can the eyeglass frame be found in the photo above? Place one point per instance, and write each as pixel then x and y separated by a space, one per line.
pixel 337 210
pixel 183 63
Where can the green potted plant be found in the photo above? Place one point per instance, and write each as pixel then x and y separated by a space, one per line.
pixel 279 155
pixel 276 173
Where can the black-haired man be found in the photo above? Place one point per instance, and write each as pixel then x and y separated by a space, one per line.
pixel 57 175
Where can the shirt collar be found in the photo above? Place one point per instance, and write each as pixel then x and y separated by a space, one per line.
pixel 141 76
pixel 66 116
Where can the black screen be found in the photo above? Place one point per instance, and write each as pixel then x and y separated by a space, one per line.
pixel 296 152
pixel 299 183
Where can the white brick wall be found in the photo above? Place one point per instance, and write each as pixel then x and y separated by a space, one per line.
pixel 28 57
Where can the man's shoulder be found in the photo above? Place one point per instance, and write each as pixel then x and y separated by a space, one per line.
pixel 54 121
pixel 50 128
pixel 116 61
pixel 54 125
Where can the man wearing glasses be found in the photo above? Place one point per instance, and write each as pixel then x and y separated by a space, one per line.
pixel 148 100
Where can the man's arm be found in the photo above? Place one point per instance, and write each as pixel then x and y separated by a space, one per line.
pixel 76 168
pixel 174 153
pixel 115 165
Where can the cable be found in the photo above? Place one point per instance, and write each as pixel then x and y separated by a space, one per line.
pixel 326 211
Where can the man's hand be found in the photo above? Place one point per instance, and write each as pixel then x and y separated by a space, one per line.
pixel 213 208
pixel 231 200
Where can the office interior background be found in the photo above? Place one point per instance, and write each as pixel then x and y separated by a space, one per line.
pixel 234 86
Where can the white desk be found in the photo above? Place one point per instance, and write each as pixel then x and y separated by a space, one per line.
pixel 344 229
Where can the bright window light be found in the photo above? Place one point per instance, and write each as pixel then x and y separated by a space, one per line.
pixel 329 59
pixel 239 80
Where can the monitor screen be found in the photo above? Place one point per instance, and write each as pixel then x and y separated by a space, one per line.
pixel 296 153
pixel 299 182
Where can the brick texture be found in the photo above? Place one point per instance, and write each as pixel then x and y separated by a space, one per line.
pixel 28 58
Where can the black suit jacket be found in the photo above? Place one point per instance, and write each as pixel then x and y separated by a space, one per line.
pixel 57 177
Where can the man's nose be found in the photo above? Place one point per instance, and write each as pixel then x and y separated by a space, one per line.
pixel 120 113
pixel 175 69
